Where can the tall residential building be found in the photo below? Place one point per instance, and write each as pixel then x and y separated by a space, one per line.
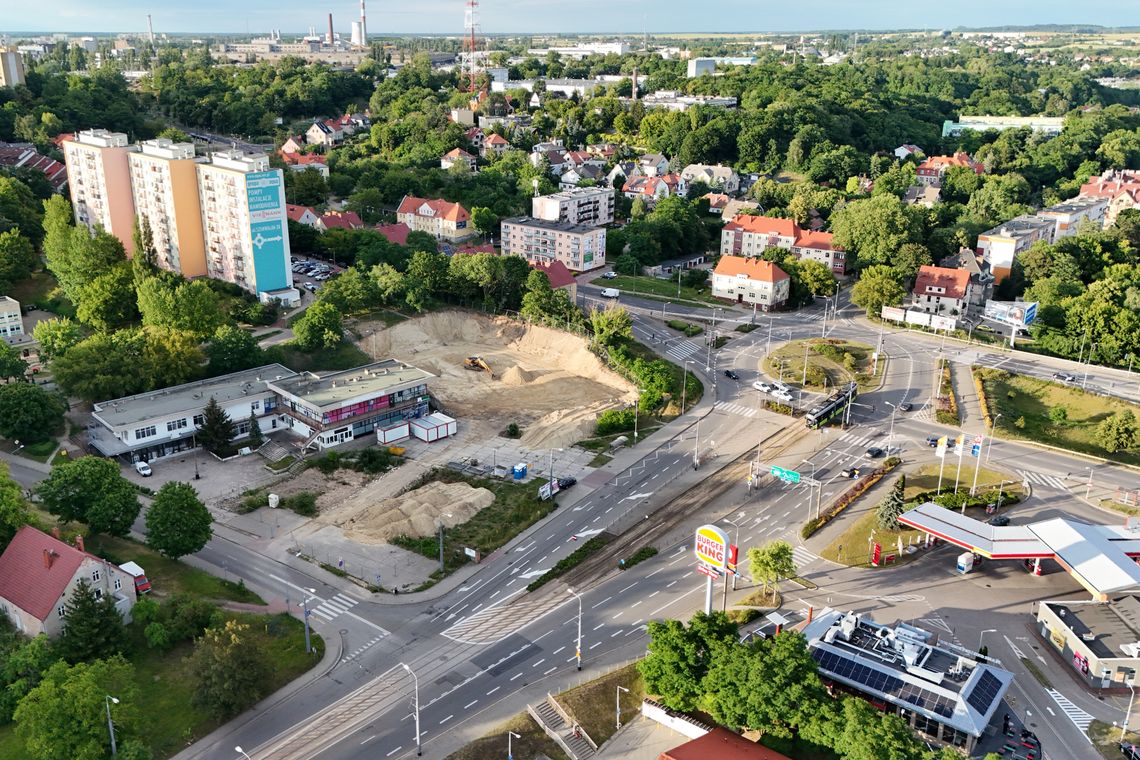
pixel 580 205
pixel 11 68
pixel 164 180
pixel 579 246
pixel 99 179
pixel 243 216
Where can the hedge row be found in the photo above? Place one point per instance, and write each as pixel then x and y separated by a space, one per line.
pixel 853 493
pixel 983 401
pixel 640 555
pixel 947 410
pixel 569 562
pixel 952 500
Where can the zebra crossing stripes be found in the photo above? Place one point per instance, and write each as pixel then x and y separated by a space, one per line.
pixel 683 350
pixel 361 649
pixel 1040 479
pixel 861 440
pixel 335 607
pixel 1080 718
pixel 802 557
pixel 737 409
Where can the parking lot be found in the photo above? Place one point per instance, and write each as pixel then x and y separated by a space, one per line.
pixel 310 273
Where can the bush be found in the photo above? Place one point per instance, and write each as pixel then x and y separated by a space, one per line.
pixel 687 328
pixel 746 328
pixel 304 503
pixel 158 636
pixel 513 430
pixel 373 461
pixel 328 463
pixel 569 562
pixel 614 421
pixel 186 618
pixel 640 555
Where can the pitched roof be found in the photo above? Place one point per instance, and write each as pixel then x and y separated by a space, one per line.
pixel 556 272
pixel 295 212
pixel 495 139
pixel 755 269
pixel 24 579
pixel 818 240
pixel 458 153
pixel 955 281
pixel 941 163
pixel 19 155
pixel 345 220
pixel 765 225
pixel 447 210
pixel 721 744
pixel 396 233
pixel 303 159
pixel 474 248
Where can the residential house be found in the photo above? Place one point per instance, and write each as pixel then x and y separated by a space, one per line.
pixel 579 158
pixel 653 189
pixel 580 247
pixel 604 151
pixel 441 219
pixel 622 171
pixel 457 156
pixel 571 178
pixel 559 276
pixel 395 233
pixel 718 177
pixel 932 170
pixel 942 291
pixel 1121 188
pixel 555 160
pixel 302 215
pixel 735 208
pixel 326 133
pixel 341 220
pixel 653 164
pixel 906 150
pixel 922 195
pixel 25 156
pixel 981 280
pixel 751 281
pixel 39 574
pixel 1001 245
pixel 494 144
pixel 301 162
pixel 748 235
pixel 717 202
pixel 463 116
pixel 293 144
pixel 475 137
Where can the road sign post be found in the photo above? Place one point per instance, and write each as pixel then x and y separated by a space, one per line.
pixel 788 476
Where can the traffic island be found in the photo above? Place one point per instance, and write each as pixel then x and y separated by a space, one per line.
pixel 830 363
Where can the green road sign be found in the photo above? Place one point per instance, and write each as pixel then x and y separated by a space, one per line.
pixel 788 476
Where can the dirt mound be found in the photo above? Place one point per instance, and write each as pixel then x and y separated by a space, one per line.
pixel 417 512
pixel 516 375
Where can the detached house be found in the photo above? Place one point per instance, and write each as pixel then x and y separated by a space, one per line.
pixel 653 189
pixel 751 281
pixel 457 156
pixel 932 170
pixel 302 215
pixel 906 150
pixel 39 573
pixel 441 219
pixel 718 177
pixel 326 133
pixel 293 144
pixel 341 220
pixel 494 144
pixel 653 164
pixel 938 290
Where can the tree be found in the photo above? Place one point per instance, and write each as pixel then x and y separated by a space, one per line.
pixel 319 327
pixel 23 663
pixel 389 283
pixel 306 188
pixel 145 256
pixel 217 430
pixel 869 734
pixel 91 490
pixel 483 219
pixel 351 292
pixel 770 563
pixel 167 301
pixel 177 523
pixel 256 437
pixel 231 668
pixel 893 506
pixel 14 513
pixel 107 303
pixel 368 205
pixel 909 258
pixel 876 288
pixel 17 258
pixel 56 336
pixel 873 229
pixel 65 716
pixel 12 365
pixel 679 656
pixel 610 325
pixel 233 349
pixel 28 413
pixel 1118 432
pixel 426 276
pixel 20 209
pixel 815 276
pixel 73 256
pixel 92 627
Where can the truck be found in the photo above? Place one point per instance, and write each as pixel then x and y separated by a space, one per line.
pixel 967 561
pixel 610 292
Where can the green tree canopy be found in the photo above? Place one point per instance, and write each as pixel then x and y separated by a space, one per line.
pixel 232 671
pixel 217 431
pixel 12 365
pixel 28 413
pixel 771 563
pixel 232 349
pixel 680 656
pixel 319 327
pixel 92 627
pixel 873 229
pixel 56 336
pixel 17 258
pixel 610 325
pixel 91 490
pixel 1118 432
pixel 177 523
pixel 107 303
pixel 14 514
pixel 892 507
pixel 877 287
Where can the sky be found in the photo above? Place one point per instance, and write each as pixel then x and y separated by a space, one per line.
pixel 552 16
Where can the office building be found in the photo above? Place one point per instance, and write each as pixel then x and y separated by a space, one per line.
pixel 244 221
pixel 1046 125
pixel 99 178
pixel 579 247
pixel 11 68
pixel 164 182
pixel 583 205
pixel 1100 639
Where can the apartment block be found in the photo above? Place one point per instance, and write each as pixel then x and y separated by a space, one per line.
pixel 441 219
pixel 11 68
pixel 750 235
pixel 243 216
pixel 164 181
pixel 99 178
pixel 11 318
pixel 579 247
pixel 751 281
pixel 1067 217
pixel 999 247
pixel 583 205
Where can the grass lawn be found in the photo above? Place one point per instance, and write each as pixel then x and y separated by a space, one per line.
pixel 688 329
pixel 36 291
pixel 516 507
pixel 1024 404
pixel 653 286
pixel 827 366
pixel 601 444
pixel 1106 738
pixel 852 546
pixel 345 355
pixel 592 704
pixel 534 742
pixel 282 464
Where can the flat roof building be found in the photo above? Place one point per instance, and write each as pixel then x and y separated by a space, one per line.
pixel 580 247
pixel 99 179
pixel 580 205
pixel 1048 125
pixel 1099 640
pixel 164 182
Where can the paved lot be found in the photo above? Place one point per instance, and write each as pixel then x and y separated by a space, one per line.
pixel 216 481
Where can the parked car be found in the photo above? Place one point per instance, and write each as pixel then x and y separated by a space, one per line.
pixel 609 275
pixel 731 375
pixel 932 441
pixel 1064 377
pixel 781 394
pixel 905 406
pixel 311 287
pixel 1130 750
pixel 782 387
pixel 998 520
pixel 851 472
pixel 875 452
pixel 142 468
pixel 762 386
pixel 564 483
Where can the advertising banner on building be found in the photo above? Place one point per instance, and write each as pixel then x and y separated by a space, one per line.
pixel 1015 313
pixel 943 323
pixel 265 192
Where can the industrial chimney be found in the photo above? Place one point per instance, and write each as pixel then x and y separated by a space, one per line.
pixel 150 29
pixel 363 27
pixel 329 35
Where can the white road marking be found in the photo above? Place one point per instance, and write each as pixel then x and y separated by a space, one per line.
pixel 539 663
pixel 449 717
pixel 516 675
pixel 492 691
pixel 468 705
pixel 551 670
pixel 594 645
pixel 394 751
pixel 599 625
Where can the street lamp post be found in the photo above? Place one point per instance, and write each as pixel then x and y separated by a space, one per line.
pixel 990 442
pixel 305 606
pixel 1088 363
pixel 578 645
pixel 684 384
pixel 243 752
pixel 419 749
pixel 636 407
pixel 983 633
pixel 891 433
pixel 441 516
pixel 815 484
pixel 617 704
pixel 1128 715
pixel 736 542
pixel 511 735
pixel 108 700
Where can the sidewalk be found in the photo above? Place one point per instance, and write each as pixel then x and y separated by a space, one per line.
pixel 969 406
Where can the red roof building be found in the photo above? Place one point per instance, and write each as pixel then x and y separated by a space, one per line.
pixel 395 233
pixel 302 215
pixel 653 189
pixel 751 281
pixel 441 219
pixel 748 235
pixel 940 290
pixel 722 744
pixel 1121 188
pixel 341 220
pixel 25 156
pixel 559 276
pixel 38 573
pixel 931 171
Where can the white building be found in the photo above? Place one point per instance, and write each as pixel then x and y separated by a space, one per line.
pixel 584 205
pixel 717 177
pixel 579 247
pixel 243 215
pixel 942 291
pixel 751 281
pixel 11 318
pixel 11 68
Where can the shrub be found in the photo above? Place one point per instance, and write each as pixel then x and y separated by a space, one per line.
pixel 569 562
pixel 640 555
pixel 373 461
pixel 327 462
pixel 1058 415
pixel 746 328
pixel 186 618
pixel 1019 423
pixel 614 421
pixel 513 430
pixel 304 503
pixel 158 636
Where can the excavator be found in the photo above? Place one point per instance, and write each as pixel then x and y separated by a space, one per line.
pixel 477 364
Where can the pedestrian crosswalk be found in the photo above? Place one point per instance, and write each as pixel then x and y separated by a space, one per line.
pixel 859 440
pixel 738 409
pixel 802 557
pixel 1080 718
pixel 362 649
pixel 683 350
pixel 335 607
pixel 1040 479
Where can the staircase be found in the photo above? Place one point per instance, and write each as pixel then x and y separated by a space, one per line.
pixel 549 718
pixel 273 451
pixel 554 723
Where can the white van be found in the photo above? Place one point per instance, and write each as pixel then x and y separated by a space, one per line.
pixel 610 292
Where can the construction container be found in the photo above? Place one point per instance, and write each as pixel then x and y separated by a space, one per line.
pixel 433 427
pixel 393 433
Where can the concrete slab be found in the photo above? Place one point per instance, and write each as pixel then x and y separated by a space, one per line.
pixel 216 481
pixel 393 566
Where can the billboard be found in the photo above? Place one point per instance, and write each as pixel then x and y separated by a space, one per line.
pixel 1016 313
pixel 893 313
pixel 265 194
pixel 943 323
pixel 711 546
pixel 918 318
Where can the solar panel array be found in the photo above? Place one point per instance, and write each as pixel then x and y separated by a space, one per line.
pixel 984 693
pixel 883 683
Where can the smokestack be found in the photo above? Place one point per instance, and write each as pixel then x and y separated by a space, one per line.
pixel 150 29
pixel 329 36
pixel 363 27
pixel 635 83
pixel 47 559
pixel 79 543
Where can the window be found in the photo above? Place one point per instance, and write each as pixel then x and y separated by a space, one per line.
pixel 61 610
pixel 145 432
pixel 118 583
pixel 98 593
pixel 175 425
pixel 199 419
pixel 96 575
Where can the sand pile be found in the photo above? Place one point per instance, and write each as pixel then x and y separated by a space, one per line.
pixel 516 375
pixel 416 513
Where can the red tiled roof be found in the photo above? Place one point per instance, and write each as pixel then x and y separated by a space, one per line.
pixel 25 582
pixel 345 220
pixel 457 153
pixel 468 248
pixel 955 281
pixel 295 212
pixel 765 225
pixel 818 240
pixel 942 163
pixel 755 269
pixel 452 212
pixel 396 233
pixel 722 744
pixel 303 159
pixel 496 139
pixel 20 156
pixel 556 272
pixel 716 200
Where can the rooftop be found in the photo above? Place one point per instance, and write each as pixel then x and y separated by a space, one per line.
pixel 546 224
pixel 335 388
pixel 753 269
pixel 35 570
pixel 722 744
pixel 1104 627
pixel 1018 226
pixel 952 283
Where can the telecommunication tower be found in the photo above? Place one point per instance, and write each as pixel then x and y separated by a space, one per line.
pixel 469 22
